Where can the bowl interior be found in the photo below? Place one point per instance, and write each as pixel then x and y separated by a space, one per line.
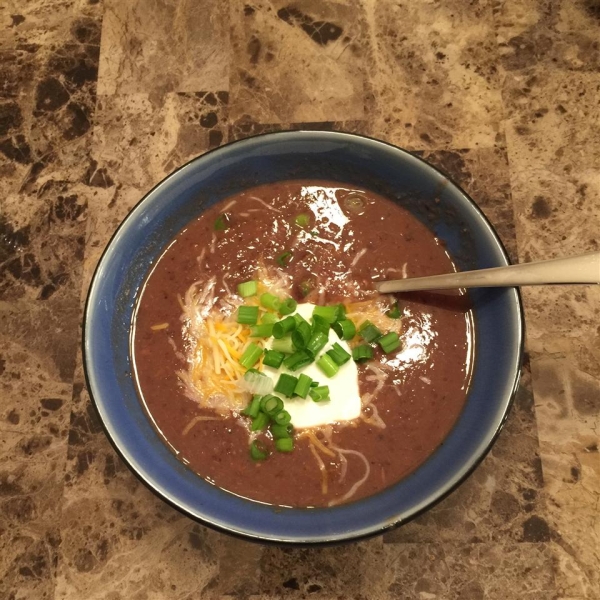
pixel 181 197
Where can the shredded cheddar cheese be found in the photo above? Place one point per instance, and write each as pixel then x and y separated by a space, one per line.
pixel 214 376
pixel 374 311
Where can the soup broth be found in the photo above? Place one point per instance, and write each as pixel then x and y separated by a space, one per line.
pixel 319 244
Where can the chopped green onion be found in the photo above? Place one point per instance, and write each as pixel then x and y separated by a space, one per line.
pixel 273 358
pixel 269 318
pixel 328 365
pixel 271 405
pixel 302 220
pixel 320 324
pixel 222 222
pixel 317 342
pixel 284 326
pixel 247 315
pixel 369 332
pixel 247 289
pixel 394 311
pixel 280 431
pixel 260 421
pixel 257 382
pixel 286 385
pixel 301 335
pixel 389 342
pixel 283 259
pixel 329 313
pixel 264 330
pixel 314 384
pixel 298 360
pixel 283 417
pixel 341 312
pixel 306 287
pixel 320 393
pixel 253 407
pixel 270 301
pixel 288 306
pixel 345 329
pixel 284 444
pixel 362 353
pixel 339 355
pixel 250 356
pixel 299 319
pixel 303 386
pixel 283 345
pixel 258 451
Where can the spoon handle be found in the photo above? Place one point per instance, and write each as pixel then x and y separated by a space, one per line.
pixel 577 269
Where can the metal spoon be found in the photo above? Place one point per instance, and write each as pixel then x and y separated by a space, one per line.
pixel 578 269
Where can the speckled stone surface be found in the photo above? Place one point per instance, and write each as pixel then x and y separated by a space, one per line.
pixel 100 100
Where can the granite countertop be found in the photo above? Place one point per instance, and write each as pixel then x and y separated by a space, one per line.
pixel 99 101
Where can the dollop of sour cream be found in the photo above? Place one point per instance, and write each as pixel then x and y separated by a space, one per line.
pixel 344 402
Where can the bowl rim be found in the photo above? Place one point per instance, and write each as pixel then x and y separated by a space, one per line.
pixel 350 537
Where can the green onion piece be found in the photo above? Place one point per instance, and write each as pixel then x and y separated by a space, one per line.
pixel 286 385
pixel 301 335
pixel 320 324
pixel 270 301
pixel 250 356
pixel 299 319
pixel 303 386
pixel 284 444
pixel 283 327
pixel 320 393
pixel 280 431
pixel 389 342
pixel 317 342
pixel 341 312
pixel 302 220
pixel 328 365
pixel 257 382
pixel 369 332
pixel 269 318
pixel 258 451
pixel 298 360
pixel 362 353
pixel 283 345
pixel 283 259
pixel 273 358
pixel 271 405
pixel 329 313
pixel 283 417
pixel 262 331
pixel 314 384
pixel 339 355
pixel 247 289
pixel 394 311
pixel 247 315
pixel 306 287
pixel 253 407
pixel 288 306
pixel 345 329
pixel 222 222
pixel 260 421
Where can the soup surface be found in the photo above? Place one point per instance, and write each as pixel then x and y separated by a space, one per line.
pixel 319 243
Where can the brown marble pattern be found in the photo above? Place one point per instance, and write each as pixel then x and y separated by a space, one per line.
pixel 101 99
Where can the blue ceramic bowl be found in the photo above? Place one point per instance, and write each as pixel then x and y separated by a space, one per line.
pixel 343 157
